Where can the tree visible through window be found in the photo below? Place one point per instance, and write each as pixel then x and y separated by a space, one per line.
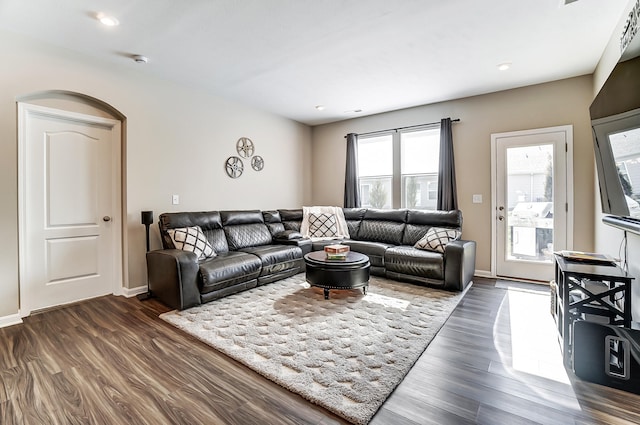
pixel 378 195
pixel 375 166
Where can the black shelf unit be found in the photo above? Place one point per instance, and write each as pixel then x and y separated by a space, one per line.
pixel 589 291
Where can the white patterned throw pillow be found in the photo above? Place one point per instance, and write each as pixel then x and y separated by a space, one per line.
pixel 437 238
pixel 192 239
pixel 322 225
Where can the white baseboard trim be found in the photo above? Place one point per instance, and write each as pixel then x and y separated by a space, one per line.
pixel 132 292
pixel 12 319
pixel 483 273
pixel 16 319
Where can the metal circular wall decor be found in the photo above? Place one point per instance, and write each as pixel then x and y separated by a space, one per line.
pixel 257 163
pixel 234 167
pixel 245 147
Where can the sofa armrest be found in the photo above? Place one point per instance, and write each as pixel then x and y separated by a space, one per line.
pixel 304 244
pixel 173 277
pixel 459 264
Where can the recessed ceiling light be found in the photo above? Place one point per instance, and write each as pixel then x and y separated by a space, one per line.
pixel 320 107
pixel 107 20
pixel 504 66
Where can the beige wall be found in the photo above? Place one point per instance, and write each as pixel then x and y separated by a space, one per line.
pixel 545 105
pixel 176 143
pixel 169 124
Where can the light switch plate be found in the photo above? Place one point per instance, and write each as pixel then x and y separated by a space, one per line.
pixel 175 200
pixel 477 199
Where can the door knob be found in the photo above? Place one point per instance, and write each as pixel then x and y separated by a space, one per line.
pixel 106 218
pixel 500 217
pixel 501 208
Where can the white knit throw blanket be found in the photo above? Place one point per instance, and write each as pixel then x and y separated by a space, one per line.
pixel 341 223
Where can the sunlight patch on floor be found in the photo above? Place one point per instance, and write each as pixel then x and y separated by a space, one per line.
pixel 378 299
pixel 387 301
pixel 535 349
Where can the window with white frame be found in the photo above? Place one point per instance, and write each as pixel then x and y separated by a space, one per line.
pixel 399 169
pixel 365 190
pixel 375 171
pixel 432 190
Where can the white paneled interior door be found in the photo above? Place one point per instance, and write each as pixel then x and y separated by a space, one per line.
pixel 69 200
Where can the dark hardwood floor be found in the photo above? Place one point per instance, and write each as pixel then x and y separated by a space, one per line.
pixel 112 361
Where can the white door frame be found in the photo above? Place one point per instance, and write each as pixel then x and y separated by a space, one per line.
pixel 26 109
pixel 568 130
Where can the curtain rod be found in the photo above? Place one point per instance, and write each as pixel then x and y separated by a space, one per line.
pixel 404 128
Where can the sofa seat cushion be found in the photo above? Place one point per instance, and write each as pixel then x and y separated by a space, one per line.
pixel 374 250
pixel 416 262
pixel 227 269
pixel 276 258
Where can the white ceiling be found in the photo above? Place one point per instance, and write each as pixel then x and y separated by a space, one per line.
pixel 287 56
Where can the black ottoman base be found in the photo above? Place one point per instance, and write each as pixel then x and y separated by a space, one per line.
pixel 337 274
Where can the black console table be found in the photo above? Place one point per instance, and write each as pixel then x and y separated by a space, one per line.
pixel 589 289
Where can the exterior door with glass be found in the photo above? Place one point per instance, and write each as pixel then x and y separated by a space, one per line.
pixel 530 201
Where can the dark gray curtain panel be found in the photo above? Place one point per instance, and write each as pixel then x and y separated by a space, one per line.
pixel 447 198
pixel 351 186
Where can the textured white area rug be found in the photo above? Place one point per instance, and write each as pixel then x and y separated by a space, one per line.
pixel 346 354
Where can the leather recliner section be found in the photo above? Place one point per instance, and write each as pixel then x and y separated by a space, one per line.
pixel 276 258
pixel 291 219
pixel 228 269
pixel 374 250
pixel 406 260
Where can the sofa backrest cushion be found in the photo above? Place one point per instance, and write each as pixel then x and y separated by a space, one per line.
pixel 399 216
pixel 385 226
pixel 209 221
pixel 232 218
pixel 449 219
pixel 354 217
pixel 291 219
pixel 206 220
pixel 273 221
pixel 245 228
pixel 419 222
pixel 271 216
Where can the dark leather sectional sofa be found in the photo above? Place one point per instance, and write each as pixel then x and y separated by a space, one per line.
pixel 258 247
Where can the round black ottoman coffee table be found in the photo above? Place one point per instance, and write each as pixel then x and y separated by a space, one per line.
pixel 350 273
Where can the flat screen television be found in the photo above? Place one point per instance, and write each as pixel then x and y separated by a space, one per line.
pixel 615 119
